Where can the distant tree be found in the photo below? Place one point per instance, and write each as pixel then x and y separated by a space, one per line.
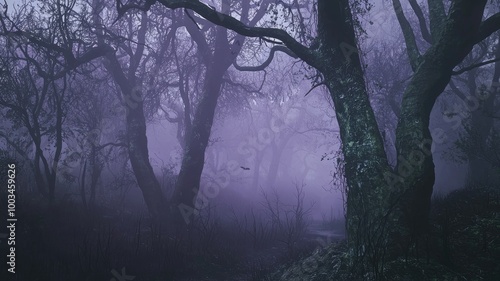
pixel 38 57
pixel 479 103
pixel 477 142
pixel 217 50
pixel 93 130
pixel 128 65
pixel 38 103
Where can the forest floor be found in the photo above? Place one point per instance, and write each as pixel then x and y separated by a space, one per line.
pixel 258 264
pixel 65 242
pixel 463 244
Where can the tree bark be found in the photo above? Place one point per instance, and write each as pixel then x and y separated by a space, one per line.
pixel 479 169
pixel 137 146
pixel 362 145
pixel 137 142
pixel 184 201
pixel 415 166
pixel 131 90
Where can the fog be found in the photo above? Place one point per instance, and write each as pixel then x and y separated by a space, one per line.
pixel 222 140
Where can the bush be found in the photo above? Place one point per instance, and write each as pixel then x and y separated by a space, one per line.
pixel 466 224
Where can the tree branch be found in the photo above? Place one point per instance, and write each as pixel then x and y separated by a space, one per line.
pixel 421 19
pixel 411 44
pixel 232 23
pixel 314 87
pixel 274 49
pixel 123 8
pixel 488 27
pixel 471 67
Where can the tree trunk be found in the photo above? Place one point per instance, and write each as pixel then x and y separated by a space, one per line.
pixel 277 152
pixel 96 169
pixel 480 170
pixel 376 195
pixel 256 169
pixel 184 201
pixel 188 182
pixel 415 165
pixel 137 142
pixel 362 146
pixel 137 146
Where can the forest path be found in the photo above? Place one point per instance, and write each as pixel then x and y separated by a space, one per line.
pixel 259 261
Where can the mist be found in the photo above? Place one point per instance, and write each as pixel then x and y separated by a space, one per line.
pixel 249 140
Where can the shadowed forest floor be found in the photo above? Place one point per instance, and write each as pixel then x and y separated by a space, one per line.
pixel 463 244
pixel 67 243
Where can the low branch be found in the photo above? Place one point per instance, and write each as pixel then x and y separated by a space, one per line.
pixel 471 67
pixel 314 87
pixel 239 27
pixel 72 62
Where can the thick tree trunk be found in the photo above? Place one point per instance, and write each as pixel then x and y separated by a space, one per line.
pixel 137 142
pixel 378 196
pixel 131 90
pixel 40 181
pixel 362 145
pixel 480 170
pixel 415 166
pixel 188 182
pixel 137 146
pixel 184 201
pixel 272 173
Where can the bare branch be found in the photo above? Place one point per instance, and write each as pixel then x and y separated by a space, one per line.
pixel 471 67
pixel 232 23
pixel 191 18
pixel 123 8
pixel 274 49
pixel 421 20
pixel 411 44
pixel 314 87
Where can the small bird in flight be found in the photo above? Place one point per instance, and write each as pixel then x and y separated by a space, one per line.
pixel 245 168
